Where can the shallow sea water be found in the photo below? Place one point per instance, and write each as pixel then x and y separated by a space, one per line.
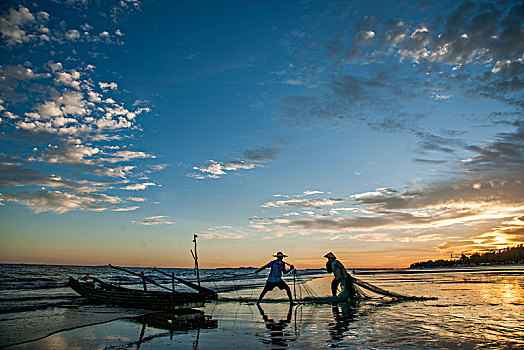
pixel 476 309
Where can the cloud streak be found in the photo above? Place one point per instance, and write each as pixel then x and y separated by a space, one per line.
pixel 62 202
pixel 215 170
pixel 154 220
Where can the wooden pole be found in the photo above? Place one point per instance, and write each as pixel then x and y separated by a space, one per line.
pixel 195 256
pixel 143 280
pixel 173 280
pixel 294 284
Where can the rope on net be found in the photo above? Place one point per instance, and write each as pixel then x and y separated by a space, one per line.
pixel 387 293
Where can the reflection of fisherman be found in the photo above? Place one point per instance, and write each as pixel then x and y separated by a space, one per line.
pixel 276 329
pixel 275 276
pixel 342 315
pixel 341 278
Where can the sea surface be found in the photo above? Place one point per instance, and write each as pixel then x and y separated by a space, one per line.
pixel 477 308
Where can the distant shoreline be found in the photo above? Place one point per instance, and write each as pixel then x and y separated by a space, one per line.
pixel 358 271
pixel 441 270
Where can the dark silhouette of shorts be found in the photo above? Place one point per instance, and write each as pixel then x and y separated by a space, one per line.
pixel 280 284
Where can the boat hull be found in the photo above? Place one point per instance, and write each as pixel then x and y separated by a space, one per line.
pixel 102 292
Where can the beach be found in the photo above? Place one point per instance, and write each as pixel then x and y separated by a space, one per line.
pixel 476 308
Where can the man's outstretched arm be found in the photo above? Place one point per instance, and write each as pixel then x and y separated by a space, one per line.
pixel 262 268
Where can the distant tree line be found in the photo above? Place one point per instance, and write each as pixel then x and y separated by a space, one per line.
pixel 510 255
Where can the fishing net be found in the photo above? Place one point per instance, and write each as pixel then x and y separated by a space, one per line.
pixel 243 286
pixel 380 291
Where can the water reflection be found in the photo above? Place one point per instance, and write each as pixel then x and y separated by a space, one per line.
pixel 276 329
pixel 511 292
pixel 343 315
pixel 180 322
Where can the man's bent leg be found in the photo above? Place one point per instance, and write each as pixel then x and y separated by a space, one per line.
pixel 288 291
pixel 334 287
pixel 264 291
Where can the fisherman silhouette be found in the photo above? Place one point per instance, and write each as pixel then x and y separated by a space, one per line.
pixel 341 277
pixel 277 266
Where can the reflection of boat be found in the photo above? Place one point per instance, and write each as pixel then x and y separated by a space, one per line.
pixel 182 320
pixel 103 292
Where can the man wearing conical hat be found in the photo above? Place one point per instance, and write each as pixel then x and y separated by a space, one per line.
pixel 341 277
pixel 277 266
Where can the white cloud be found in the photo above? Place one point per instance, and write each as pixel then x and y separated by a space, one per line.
pixel 135 199
pixel 86 27
pixel 364 37
pixel 69 103
pixel 124 156
pixel 215 169
pixel 94 96
pixel 309 193
pixel 141 186
pixel 70 154
pixel 49 109
pixel 10 115
pixel 62 202
pixel 157 167
pixel 55 66
pixel 119 171
pixel 377 192
pixel 72 34
pixel 69 79
pixel 108 86
pixel 304 203
pixel 500 65
pixel 11 73
pixel 236 165
pixel 126 208
pixel 12 24
pixel 154 220
pixel 112 124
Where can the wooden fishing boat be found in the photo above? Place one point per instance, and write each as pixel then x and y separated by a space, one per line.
pixel 106 293
pixel 103 292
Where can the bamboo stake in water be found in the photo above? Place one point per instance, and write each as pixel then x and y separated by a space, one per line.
pixel 195 257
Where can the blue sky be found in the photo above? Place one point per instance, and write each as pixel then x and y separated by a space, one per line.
pixel 386 133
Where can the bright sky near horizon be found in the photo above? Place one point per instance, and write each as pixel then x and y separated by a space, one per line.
pixel 386 132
